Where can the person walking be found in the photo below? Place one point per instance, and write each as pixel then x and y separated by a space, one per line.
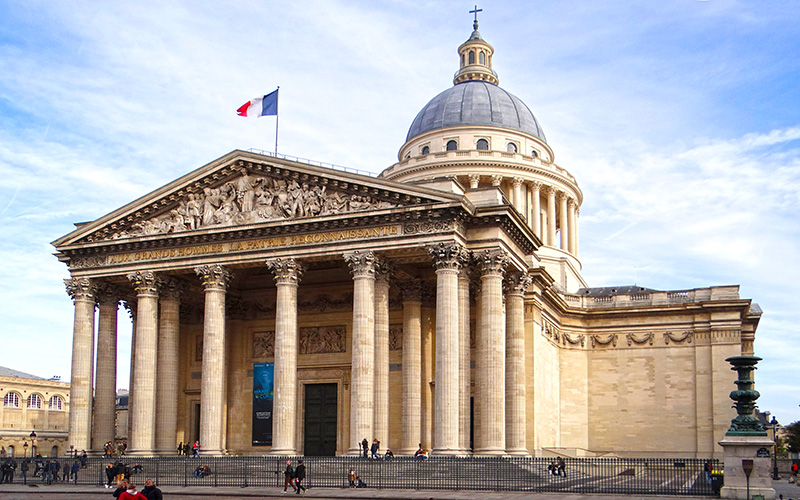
pixel 74 472
pixel 299 475
pixel 23 469
pixel 196 449
pixel 111 472
pixel 151 491
pixel 288 477
pixel 180 448
pixel 365 447
pixel 374 448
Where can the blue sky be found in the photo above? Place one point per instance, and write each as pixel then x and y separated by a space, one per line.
pixel 679 119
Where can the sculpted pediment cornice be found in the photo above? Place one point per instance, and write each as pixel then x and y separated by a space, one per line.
pixel 246 189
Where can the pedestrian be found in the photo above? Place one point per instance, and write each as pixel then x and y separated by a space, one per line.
pixel 111 472
pixel 365 447
pixel 299 475
pixel 709 469
pixel 562 467
pixel 351 477
pixel 180 448
pixel 65 471
pixel 7 471
pixel 23 469
pixel 74 472
pixel 121 487
pixel 196 449
pixel 131 494
pixel 288 477
pixel 51 474
pixel 119 472
pixel 151 491
pixel 3 452
pixel 186 448
pixel 84 458
pixel 374 448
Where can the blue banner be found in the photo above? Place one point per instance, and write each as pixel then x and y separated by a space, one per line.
pixel 263 383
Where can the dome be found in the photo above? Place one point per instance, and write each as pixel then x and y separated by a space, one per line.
pixel 475 102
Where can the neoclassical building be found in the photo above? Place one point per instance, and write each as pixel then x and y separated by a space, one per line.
pixel 281 307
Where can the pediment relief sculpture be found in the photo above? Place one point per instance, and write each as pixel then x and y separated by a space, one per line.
pixel 250 198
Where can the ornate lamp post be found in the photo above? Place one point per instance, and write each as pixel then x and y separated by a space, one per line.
pixel 33 442
pixel 774 426
pixel 25 449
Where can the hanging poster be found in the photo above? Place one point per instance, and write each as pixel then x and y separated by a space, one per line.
pixel 263 382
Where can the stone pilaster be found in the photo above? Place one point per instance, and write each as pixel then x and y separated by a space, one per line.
pixel 80 391
pixel 168 355
pixel 380 421
pixel 105 390
pixel 142 414
pixel 515 363
pixel 490 355
pixel 536 209
pixel 464 354
pixel 412 359
pixel 287 274
pixel 563 221
pixel 215 279
pixel 362 400
pixel 551 215
pixel 447 260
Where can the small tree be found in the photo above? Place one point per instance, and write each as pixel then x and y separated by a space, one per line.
pixel 793 436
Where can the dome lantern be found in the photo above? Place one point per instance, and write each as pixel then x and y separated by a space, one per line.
pixel 476 58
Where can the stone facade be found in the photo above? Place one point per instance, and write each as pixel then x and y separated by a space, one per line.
pixel 439 304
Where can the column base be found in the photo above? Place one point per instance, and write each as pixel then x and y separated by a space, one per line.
pixel 447 451
pixel 140 453
pixel 518 453
pixel 284 452
pixel 495 452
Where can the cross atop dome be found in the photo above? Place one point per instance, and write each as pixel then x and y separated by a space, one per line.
pixel 475 11
pixel 476 57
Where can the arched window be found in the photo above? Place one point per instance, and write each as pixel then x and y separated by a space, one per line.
pixel 35 402
pixel 451 145
pixel 11 400
pixel 462 60
pixel 54 451
pixel 482 58
pixel 11 452
pixel 534 153
pixel 56 403
pixel 511 147
pixel 426 150
pixel 472 57
pixel 483 144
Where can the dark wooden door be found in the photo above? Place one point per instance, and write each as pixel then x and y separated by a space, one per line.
pixel 320 428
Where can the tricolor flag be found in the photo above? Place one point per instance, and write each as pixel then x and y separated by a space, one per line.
pixel 260 106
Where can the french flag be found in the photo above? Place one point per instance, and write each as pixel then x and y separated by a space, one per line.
pixel 260 106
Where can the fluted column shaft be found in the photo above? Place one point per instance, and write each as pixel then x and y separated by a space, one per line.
pixel 536 209
pixel 464 359
pixel 551 216
pixel 447 261
pixel 105 390
pixel 516 189
pixel 168 355
pixel 215 279
pixel 80 391
pixel 515 365
pixel 563 221
pixel 362 399
pixel 490 358
pixel 573 227
pixel 143 413
pixel 412 362
pixel 284 408
pixel 380 421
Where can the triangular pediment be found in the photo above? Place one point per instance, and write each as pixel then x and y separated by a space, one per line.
pixel 243 189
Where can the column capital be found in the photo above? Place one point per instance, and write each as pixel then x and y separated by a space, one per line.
pixel 106 293
pixel 517 282
pixel 362 264
pixel 536 185
pixel 145 282
pixel 80 288
pixel 172 288
pixel 474 180
pixel 517 182
pixel 497 179
pixel 548 190
pixel 572 202
pixel 448 256
pixel 561 196
pixel 214 276
pixel 286 271
pixel 410 290
pixel 383 269
pixel 492 262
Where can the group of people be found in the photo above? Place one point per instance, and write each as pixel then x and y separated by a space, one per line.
pixel 557 467
pixel 117 471
pixel 185 448
pixel 293 476
pixel 126 490
pixel 373 451
pixel 109 449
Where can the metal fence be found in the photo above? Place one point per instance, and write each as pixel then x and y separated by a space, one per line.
pixel 581 475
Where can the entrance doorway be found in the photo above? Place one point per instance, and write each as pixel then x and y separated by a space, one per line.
pixel 321 421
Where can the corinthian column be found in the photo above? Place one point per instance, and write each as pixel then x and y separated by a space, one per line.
pixel 380 422
pixel 536 209
pixel 551 215
pixel 105 397
pixel 80 389
pixel 464 357
pixel 447 259
pixel 362 399
pixel 516 189
pixel 562 221
pixel 284 408
pixel 215 280
pixel 515 363
pixel 167 384
pixel 142 414
pixel 411 424
pixel 573 227
pixel 490 356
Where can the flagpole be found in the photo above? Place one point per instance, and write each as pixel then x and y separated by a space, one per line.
pixel 277 115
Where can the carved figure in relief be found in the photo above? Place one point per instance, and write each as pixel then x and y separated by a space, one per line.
pixel 212 202
pixel 194 212
pixel 245 191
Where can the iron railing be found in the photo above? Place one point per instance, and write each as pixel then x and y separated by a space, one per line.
pixel 623 476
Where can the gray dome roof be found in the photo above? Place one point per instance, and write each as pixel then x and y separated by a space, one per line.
pixel 475 103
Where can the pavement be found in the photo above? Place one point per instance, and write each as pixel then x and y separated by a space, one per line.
pixel 18 491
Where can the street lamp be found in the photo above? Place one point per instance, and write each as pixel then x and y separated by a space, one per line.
pixel 33 442
pixel 25 449
pixel 774 426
